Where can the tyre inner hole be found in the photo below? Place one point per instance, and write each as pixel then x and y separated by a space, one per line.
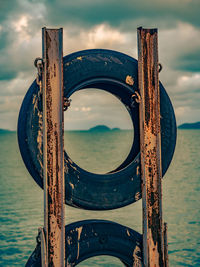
pixel 99 132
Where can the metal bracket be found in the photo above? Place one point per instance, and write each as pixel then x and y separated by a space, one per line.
pixel 135 98
pixel 66 103
pixel 39 64
pixel 160 67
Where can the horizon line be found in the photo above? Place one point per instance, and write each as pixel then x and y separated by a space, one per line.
pixel 9 130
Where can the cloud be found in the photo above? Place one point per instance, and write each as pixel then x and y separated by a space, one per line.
pixel 100 36
pixel 20 38
pixel 109 24
pixel 190 61
pixel 185 94
pixel 12 93
pixel 90 107
pixel 176 42
pixel 118 13
pixel 86 109
pixel 7 8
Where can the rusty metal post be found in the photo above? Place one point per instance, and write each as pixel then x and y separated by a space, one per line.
pixel 150 147
pixel 53 146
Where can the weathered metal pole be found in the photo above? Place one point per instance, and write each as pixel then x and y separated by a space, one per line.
pixel 150 147
pixel 53 146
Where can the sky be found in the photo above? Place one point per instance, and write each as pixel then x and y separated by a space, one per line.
pixel 109 24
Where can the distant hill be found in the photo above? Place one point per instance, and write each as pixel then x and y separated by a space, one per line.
pixel 101 128
pixel 195 125
pixel 2 131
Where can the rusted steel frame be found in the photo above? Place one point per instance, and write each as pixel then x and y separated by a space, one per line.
pixel 53 146
pixel 150 147
pixel 165 245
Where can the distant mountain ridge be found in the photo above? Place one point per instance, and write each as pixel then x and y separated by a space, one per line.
pixel 102 128
pixel 5 131
pixel 195 125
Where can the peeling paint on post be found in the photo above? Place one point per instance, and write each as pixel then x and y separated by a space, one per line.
pixel 150 147
pixel 53 146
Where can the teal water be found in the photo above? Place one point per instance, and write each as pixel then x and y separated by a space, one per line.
pixel 98 152
pixel 21 200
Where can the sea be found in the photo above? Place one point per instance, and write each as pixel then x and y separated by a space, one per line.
pixel 21 199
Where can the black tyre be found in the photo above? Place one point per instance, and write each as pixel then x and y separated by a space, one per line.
pixel 107 70
pixel 90 238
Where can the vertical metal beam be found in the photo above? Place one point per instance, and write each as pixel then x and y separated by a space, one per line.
pixel 53 146
pixel 150 147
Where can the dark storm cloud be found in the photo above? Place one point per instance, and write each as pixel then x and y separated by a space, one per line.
pixel 126 15
pixel 116 13
pixel 8 7
pixel 3 39
pixel 17 37
pixel 7 73
pixel 106 24
pixel 189 62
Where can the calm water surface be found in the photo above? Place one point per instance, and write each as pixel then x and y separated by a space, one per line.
pixel 21 200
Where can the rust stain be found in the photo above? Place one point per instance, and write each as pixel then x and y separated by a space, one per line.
pixel 71 62
pixel 79 58
pixel 136 259
pixel 128 233
pixel 153 252
pixel 72 186
pixel 137 196
pixel 79 230
pixel 129 80
pixel 68 240
pixel 35 103
pixel 70 161
pixel 138 170
pixel 36 99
